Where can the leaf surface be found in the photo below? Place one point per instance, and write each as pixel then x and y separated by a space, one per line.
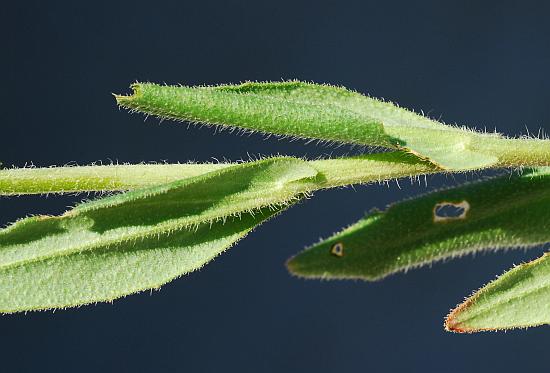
pixel 287 108
pixel 334 114
pixel 498 213
pixel 108 271
pixel 129 242
pixel 517 299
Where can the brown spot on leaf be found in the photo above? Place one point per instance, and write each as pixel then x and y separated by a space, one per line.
pixel 449 211
pixel 337 249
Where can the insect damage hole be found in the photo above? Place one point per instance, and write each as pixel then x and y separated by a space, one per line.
pixel 337 249
pixel 448 211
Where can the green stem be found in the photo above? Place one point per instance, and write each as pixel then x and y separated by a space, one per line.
pixel 78 179
pixel 370 168
pixel 333 173
pixel 514 152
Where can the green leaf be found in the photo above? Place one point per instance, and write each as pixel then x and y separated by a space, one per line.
pixel 106 271
pixel 519 298
pixel 288 108
pixel 503 212
pixel 335 114
pixel 125 243
pixel 129 242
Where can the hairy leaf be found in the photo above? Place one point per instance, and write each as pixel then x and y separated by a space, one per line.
pixel 335 114
pixel 291 108
pixel 501 212
pixel 106 271
pixel 129 242
pixel 517 299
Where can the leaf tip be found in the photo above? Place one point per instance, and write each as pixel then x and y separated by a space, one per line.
pixel 291 266
pixel 124 100
pixel 457 320
pixel 452 323
pixel 297 268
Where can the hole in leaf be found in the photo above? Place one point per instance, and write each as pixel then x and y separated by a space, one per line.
pixel 447 211
pixel 337 249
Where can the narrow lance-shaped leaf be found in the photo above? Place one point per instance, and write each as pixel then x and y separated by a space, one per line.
pixel 107 272
pixel 291 109
pixel 498 213
pixel 114 246
pixel 517 299
pixel 335 114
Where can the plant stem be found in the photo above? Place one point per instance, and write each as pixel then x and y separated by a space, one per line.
pixel 333 173
pixel 75 179
pixel 519 152
pixel 370 168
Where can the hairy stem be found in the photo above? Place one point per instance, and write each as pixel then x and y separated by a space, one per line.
pixel 515 152
pixel 75 179
pixel 334 172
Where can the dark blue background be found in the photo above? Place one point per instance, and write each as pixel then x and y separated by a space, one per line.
pixel 483 64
